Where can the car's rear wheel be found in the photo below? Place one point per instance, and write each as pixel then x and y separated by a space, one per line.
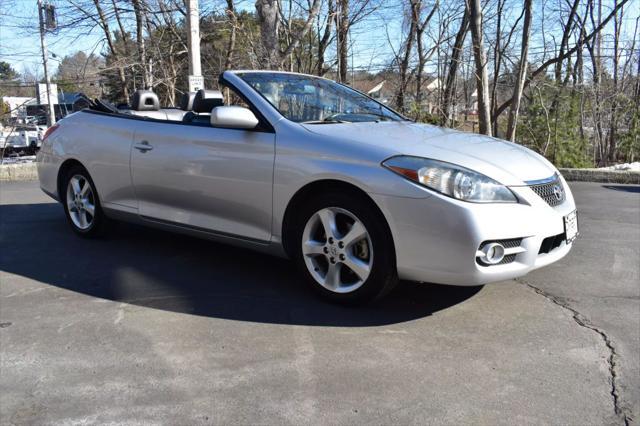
pixel 81 203
pixel 345 249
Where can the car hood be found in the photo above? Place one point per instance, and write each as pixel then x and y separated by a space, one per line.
pixel 507 162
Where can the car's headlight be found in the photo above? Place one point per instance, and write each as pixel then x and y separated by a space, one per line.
pixel 451 180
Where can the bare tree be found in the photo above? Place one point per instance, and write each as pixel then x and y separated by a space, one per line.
pixel 325 39
pixel 268 12
pixel 423 55
pixel 102 21
pixel 552 61
pixel 405 54
pixel 456 53
pixel 138 8
pixel 474 8
pixel 568 60
pixel 518 89
pixel 617 23
pixel 342 34
pixel 233 21
pixel 501 45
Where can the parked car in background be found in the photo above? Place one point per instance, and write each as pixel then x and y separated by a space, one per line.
pixel 300 166
pixel 22 139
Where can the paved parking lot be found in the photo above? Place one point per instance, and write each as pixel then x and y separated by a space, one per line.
pixel 146 327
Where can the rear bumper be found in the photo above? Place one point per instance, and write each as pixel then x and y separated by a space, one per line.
pixel 48 166
pixel 437 238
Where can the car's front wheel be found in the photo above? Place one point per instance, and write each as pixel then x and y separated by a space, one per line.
pixel 345 248
pixel 81 203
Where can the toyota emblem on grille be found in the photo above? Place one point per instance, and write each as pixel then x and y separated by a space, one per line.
pixel 557 192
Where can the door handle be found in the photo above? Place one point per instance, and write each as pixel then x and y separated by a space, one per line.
pixel 143 146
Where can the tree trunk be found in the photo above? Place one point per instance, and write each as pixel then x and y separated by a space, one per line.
pixel 342 28
pixel 403 62
pixel 617 23
pixel 323 43
pixel 419 68
pixel 522 72
pixel 231 46
pixel 171 80
pixel 116 14
pixel 480 57
pixel 416 6
pixel 565 40
pixel 449 88
pixel 578 71
pixel 597 104
pixel 295 39
pixel 142 54
pixel 269 22
pixel 497 62
pixel 268 12
pixel 422 56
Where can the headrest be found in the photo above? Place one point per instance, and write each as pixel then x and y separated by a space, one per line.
pixel 186 103
pixel 206 100
pixel 145 100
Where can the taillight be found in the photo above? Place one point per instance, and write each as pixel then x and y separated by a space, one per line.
pixel 49 131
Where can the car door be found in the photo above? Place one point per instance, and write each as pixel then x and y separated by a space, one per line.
pixel 205 178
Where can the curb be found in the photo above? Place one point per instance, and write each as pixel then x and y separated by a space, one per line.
pixel 16 172
pixel 29 171
pixel 603 176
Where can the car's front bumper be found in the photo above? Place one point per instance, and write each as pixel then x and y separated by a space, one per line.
pixel 437 238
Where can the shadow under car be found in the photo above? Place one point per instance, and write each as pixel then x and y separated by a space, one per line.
pixel 177 273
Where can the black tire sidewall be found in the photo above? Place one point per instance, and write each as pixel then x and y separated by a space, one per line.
pixel 383 275
pixel 97 227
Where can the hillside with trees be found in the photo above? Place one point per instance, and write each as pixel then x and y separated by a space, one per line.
pixel 559 76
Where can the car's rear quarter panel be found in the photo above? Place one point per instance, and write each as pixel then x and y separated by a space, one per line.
pixel 102 144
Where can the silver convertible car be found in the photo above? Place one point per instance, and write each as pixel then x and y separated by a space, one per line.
pixel 300 166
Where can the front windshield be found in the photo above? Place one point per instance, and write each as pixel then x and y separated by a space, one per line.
pixel 306 99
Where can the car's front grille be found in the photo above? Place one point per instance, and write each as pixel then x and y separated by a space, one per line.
pixel 508 259
pixel 551 243
pixel 551 192
pixel 514 242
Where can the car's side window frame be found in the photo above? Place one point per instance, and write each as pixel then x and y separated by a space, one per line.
pixel 264 126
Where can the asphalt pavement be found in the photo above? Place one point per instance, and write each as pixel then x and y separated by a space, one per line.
pixel 147 327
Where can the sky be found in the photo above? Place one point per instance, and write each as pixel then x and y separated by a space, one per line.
pixel 20 42
pixel 20 39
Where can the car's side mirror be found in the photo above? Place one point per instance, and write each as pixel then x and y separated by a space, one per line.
pixel 234 117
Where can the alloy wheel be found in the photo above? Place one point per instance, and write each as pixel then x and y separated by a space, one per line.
pixel 337 250
pixel 80 202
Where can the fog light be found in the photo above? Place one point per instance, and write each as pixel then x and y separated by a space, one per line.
pixel 493 253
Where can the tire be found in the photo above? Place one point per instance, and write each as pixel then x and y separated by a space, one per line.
pixel 82 204
pixel 353 262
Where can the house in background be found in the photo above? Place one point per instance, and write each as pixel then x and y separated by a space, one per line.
pixel 72 102
pixel 18 105
pixel 383 88
pixel 67 103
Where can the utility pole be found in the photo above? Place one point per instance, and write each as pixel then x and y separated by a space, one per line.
pixel 51 114
pixel 196 82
